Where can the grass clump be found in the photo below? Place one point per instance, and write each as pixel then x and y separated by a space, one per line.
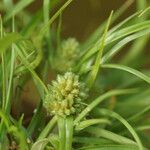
pixel 89 95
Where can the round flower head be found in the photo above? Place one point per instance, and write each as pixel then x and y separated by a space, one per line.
pixel 65 95
pixel 66 55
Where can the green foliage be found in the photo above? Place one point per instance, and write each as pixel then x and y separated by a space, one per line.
pixel 112 115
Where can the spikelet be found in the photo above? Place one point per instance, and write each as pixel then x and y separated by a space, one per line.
pixel 65 95
pixel 67 55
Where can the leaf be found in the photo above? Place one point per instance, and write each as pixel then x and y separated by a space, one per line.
pixel 96 66
pixel 91 140
pixel 69 132
pixel 17 8
pixel 116 35
pixel 62 132
pixel 34 74
pixel 117 47
pixel 100 29
pixel 124 122
pixel 90 122
pixel 7 40
pixel 110 147
pixel 128 69
pixel 48 128
pixel 35 119
pixel 40 144
pixel 98 132
pixel 46 26
pixel 100 99
pixel 137 47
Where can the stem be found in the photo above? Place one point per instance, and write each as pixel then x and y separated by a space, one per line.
pixel 48 128
pixel 69 133
pixel 12 65
pixel 62 132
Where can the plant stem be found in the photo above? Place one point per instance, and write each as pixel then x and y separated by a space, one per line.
pixel 62 132
pixel 69 133
pixel 48 128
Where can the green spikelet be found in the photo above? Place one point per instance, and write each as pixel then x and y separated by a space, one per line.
pixel 66 55
pixel 65 95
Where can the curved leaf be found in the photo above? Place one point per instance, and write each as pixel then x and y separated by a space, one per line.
pixel 7 40
pixel 128 69
pixel 40 144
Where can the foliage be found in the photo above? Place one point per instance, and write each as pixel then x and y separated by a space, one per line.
pixel 116 92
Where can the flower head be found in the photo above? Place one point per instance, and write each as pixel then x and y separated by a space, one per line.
pixel 65 95
pixel 66 55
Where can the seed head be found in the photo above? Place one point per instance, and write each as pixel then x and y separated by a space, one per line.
pixel 67 55
pixel 65 95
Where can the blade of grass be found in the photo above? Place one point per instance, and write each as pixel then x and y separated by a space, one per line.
pixel 17 8
pixel 96 66
pixel 100 29
pixel 139 44
pixel 128 69
pixel 110 147
pixel 115 49
pixel 62 132
pixel 8 4
pixel 59 31
pixel 12 65
pixel 35 119
pixel 90 122
pixel 69 133
pixel 40 144
pixel 46 7
pixel 34 74
pixel 126 31
pixel 48 128
pixel 125 123
pixel 3 69
pixel 94 140
pixel 7 40
pixel 98 132
pixel 101 98
pixel 47 25
pixel 140 114
pixel 22 140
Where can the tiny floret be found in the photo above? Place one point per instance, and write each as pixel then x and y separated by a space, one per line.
pixel 65 95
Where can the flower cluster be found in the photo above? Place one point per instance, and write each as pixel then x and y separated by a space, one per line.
pixel 65 95
pixel 66 55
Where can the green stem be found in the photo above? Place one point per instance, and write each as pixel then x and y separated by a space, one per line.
pixel 62 132
pixel 69 133
pixel 48 128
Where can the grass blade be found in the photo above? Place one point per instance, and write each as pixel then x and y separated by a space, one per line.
pixel 128 69
pixel 101 98
pixel 125 123
pixel 7 41
pixel 115 49
pixel 47 24
pixel 87 123
pixel 69 133
pixel 96 66
pixel 98 132
pixel 100 29
pixel 62 132
pixel 48 128
pixel 110 147
pixel 17 8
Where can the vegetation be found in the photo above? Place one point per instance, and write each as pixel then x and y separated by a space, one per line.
pixel 93 99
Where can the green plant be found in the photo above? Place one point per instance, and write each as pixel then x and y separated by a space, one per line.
pixel 96 102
